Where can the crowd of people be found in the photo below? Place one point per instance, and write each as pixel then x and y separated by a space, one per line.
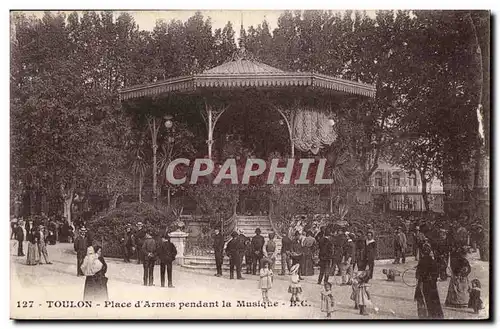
pixel 37 237
pixel 149 249
pixel 441 254
pixel 339 251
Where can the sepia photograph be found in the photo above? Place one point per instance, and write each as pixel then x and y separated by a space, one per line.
pixel 250 164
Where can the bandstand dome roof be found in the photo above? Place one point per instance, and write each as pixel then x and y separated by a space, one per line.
pixel 244 73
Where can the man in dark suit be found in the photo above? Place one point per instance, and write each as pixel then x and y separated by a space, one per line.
pixel 338 249
pixel 19 235
pixel 257 245
pixel 140 237
pixel 166 252
pixel 149 258
pixel 233 250
pixel 219 251
pixel 286 249
pixel 128 243
pixel 325 256
pixel 81 245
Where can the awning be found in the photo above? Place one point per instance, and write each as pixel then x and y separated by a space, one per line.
pixel 244 73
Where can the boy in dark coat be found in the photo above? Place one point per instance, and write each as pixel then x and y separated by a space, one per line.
pixel 166 251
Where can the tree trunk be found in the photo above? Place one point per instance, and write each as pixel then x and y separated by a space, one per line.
pixel 113 201
pixel 68 201
pixel 425 196
pixel 141 179
pixel 67 195
pixel 168 196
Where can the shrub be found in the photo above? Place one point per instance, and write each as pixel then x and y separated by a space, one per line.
pixel 291 202
pixel 109 227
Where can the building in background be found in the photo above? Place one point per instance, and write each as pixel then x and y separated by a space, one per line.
pixel 393 189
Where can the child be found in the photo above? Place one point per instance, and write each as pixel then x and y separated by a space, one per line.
pixel 391 274
pixel 295 289
pixel 266 280
pixel 475 301
pixel 363 296
pixel 327 302
pixel 355 289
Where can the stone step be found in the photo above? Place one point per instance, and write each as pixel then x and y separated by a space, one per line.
pixel 225 267
pixel 254 225
pixel 207 262
pixel 253 217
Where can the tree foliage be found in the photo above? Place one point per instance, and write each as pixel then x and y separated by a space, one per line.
pixel 69 132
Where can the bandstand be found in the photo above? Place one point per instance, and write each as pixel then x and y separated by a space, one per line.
pixel 306 102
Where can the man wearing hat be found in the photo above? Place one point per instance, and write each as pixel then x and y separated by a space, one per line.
pixel 257 245
pixel 19 235
pixel 348 255
pixel 140 237
pixel 80 244
pixel 233 251
pixel 166 252
pixel 325 247
pixel 418 241
pixel 219 251
pixel 399 246
pixel 339 240
pixel 286 249
pixel 242 239
pixel 128 243
pixel 149 258
pixel 441 254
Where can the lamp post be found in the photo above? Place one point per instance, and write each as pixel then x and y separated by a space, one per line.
pixel 154 129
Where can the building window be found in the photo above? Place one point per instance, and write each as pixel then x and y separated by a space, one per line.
pixel 395 179
pixel 378 179
pixel 412 179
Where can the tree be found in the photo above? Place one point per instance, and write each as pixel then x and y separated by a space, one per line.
pixel 175 143
pixel 224 44
pixel 138 164
pixel 66 118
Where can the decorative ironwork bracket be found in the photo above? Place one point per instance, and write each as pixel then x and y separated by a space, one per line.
pixel 211 116
pixel 289 117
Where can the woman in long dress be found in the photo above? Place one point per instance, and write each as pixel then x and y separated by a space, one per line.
pixel 458 290
pixel 308 249
pixel 94 267
pixel 426 292
pixel 33 255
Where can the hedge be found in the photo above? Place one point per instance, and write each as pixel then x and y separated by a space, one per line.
pixel 109 227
